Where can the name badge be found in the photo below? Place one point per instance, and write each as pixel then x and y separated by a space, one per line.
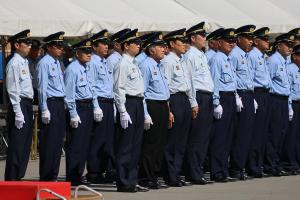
pixel 23 71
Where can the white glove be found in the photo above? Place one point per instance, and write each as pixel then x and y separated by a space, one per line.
pixel 46 117
pixel 291 114
pixel 148 122
pixel 19 120
pixel 75 121
pixel 124 119
pixel 239 103
pixel 255 106
pixel 98 114
pixel 218 112
pixel 115 114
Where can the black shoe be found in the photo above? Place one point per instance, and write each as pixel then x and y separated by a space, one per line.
pixel 126 189
pixel 244 177
pixel 162 185
pixel 82 181
pixel 256 175
pixel 284 173
pixel 150 184
pixel 110 176
pixel 219 179
pixel 139 188
pixel 293 173
pixel 202 181
pixel 185 183
pixel 174 184
pixel 98 179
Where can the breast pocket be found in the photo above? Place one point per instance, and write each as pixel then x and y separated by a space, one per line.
pixel 242 68
pixel 81 86
pixel 281 77
pixel 133 75
pixel 226 75
pixel 178 72
pixel 24 74
pixel 296 83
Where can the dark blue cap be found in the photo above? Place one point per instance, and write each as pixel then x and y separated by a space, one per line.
pixel 174 35
pixel 295 32
pixel 115 37
pixel 21 36
pixel 55 37
pixel 296 49
pixel 84 44
pixel 286 37
pixel 129 36
pixel 197 29
pixel 100 36
pixel 262 33
pixel 245 30
pixel 155 39
pixel 227 34
pixel 213 34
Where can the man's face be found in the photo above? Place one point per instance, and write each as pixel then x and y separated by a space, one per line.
pixel 245 42
pixel 262 44
pixel 157 52
pixel 101 49
pixel 83 56
pixel 284 49
pixel 23 48
pixel 296 59
pixel 296 41
pixel 226 46
pixel 198 41
pixel 213 44
pixel 178 47
pixel 55 50
pixel 133 48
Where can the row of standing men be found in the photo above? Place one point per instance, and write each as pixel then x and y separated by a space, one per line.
pixel 173 105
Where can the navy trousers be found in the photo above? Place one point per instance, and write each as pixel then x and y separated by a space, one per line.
pixel 19 142
pixel 52 140
pixel 199 137
pixel 129 142
pixel 177 137
pixel 222 136
pixel 243 134
pixel 78 141
pixel 260 133
pixel 154 141
pixel 101 149
pixel 277 132
pixel 289 150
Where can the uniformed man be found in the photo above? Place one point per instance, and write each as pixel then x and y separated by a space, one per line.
pixel 290 148
pixel 280 90
pixel 246 104
pixel 19 116
pixel 200 131
pixel 83 109
pixel 156 112
pixel 114 58
pixel 33 57
pixel 101 147
pixel 257 60
pixel 129 94
pixel 212 44
pixel 224 77
pixel 51 90
pixel 183 106
pixel 142 55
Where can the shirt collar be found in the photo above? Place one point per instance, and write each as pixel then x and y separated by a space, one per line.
pixel 128 57
pixel 280 57
pixel 258 52
pixel 174 55
pixel 240 51
pixel 18 56
pixel 51 58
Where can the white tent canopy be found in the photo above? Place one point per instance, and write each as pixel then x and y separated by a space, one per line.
pixel 80 17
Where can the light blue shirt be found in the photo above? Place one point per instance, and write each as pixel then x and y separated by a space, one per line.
pixel 103 86
pixel 178 76
pixel 128 80
pixel 294 79
pixel 79 85
pixel 196 62
pixel 140 58
pixel 278 74
pixel 113 60
pixel 155 81
pixel 223 75
pixel 258 63
pixel 209 54
pixel 18 81
pixel 244 74
pixel 50 80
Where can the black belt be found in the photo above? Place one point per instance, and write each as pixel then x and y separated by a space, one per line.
pixel 261 89
pixel 157 101
pixel 204 92
pixel 27 99
pixel 296 102
pixel 87 101
pixel 229 93
pixel 280 96
pixel 179 93
pixel 56 98
pixel 133 97
pixel 245 91
pixel 107 100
